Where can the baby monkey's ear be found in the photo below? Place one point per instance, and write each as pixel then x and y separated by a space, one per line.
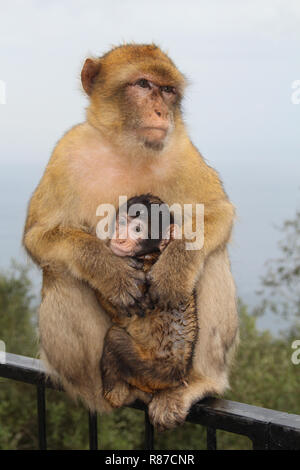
pixel 170 234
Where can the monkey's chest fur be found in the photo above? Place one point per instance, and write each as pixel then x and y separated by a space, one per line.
pixel 153 351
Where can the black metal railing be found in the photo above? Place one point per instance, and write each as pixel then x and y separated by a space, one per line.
pixel 267 429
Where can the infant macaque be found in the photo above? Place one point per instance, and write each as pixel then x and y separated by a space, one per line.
pixel 150 350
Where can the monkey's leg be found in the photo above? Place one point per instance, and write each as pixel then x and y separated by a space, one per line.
pixel 169 408
pixel 72 328
pixel 115 389
pixel 214 348
pixel 118 392
pixel 123 359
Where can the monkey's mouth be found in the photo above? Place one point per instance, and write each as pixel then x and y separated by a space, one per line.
pixel 154 133
pixel 121 247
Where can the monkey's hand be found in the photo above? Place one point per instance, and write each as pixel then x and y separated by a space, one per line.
pixel 89 259
pixel 173 277
pixel 123 281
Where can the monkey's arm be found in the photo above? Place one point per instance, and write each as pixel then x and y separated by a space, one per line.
pixel 174 276
pixel 87 258
pixel 218 222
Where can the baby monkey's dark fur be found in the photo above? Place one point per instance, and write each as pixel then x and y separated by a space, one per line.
pixel 150 349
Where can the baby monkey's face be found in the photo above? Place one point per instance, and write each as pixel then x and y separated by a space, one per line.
pixel 132 237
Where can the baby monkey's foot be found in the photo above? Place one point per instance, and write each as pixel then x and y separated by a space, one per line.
pixel 117 395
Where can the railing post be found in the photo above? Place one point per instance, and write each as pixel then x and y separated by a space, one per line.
pixel 41 410
pixel 211 438
pixel 149 433
pixel 93 431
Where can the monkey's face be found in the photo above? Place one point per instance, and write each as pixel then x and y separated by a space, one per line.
pixel 130 236
pixel 135 93
pixel 150 110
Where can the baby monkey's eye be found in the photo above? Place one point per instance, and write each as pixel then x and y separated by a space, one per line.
pixel 143 83
pixel 138 228
pixel 168 89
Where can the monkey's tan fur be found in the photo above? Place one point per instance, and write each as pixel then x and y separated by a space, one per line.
pixel 94 163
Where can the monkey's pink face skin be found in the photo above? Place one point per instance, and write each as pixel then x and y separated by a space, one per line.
pixel 127 236
pixel 123 247
pixel 153 106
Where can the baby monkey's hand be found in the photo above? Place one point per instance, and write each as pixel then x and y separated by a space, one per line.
pixel 126 282
pixel 141 307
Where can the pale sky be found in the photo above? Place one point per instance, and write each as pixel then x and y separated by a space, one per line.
pixel 241 58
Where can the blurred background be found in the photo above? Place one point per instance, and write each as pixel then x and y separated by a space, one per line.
pixel 242 109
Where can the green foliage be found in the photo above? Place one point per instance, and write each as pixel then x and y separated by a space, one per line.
pixel 17 319
pixel 281 292
pixel 17 330
pixel 263 375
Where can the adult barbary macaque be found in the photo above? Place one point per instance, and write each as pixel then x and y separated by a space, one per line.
pixel 134 141
pixel 151 347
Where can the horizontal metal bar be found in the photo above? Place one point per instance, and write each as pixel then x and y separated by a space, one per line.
pixel 149 433
pixel 251 421
pixel 271 428
pixel 25 369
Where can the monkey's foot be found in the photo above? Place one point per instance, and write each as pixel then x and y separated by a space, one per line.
pixel 168 409
pixel 136 394
pixel 118 395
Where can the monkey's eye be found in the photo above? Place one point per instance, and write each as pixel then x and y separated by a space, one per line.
pixel 168 89
pixel 138 228
pixel 143 83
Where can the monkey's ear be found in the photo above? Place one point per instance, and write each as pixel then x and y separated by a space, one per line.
pixel 89 73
